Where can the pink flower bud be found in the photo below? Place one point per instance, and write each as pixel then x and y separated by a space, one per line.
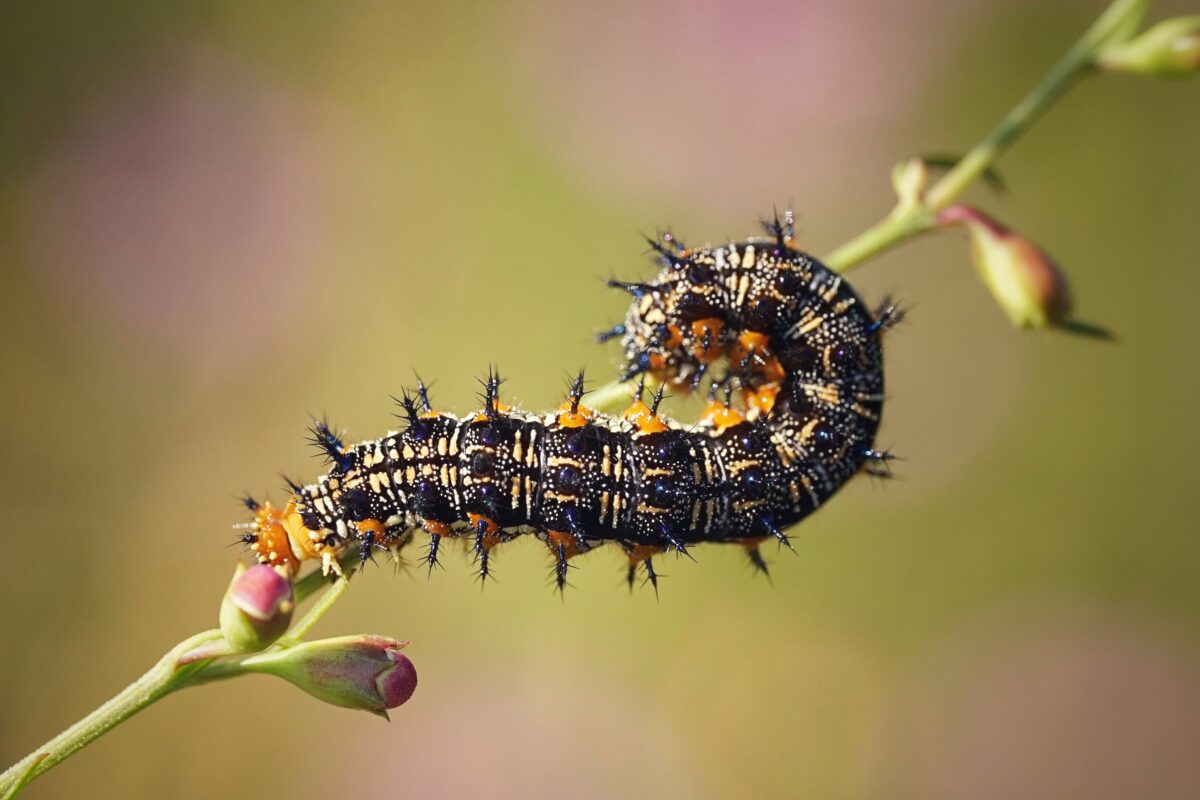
pixel 1024 280
pixel 365 672
pixel 257 608
pixel 1169 49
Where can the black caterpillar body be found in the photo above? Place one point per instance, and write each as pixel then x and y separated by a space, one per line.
pixel 794 341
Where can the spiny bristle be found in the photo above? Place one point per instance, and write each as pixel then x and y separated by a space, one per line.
pixel 783 230
pixel 561 566
pixel 769 525
pixel 611 333
pixel 576 392
pixel 888 315
pixel 431 556
pixel 408 408
pixel 658 398
pixel 329 444
pixel 423 395
pixel 756 560
pixel 491 392
pixel 635 289
pixel 651 576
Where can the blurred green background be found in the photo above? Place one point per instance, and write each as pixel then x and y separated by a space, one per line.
pixel 219 218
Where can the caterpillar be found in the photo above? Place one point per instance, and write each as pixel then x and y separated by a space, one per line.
pixel 792 418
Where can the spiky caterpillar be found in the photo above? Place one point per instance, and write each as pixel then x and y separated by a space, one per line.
pixel 796 341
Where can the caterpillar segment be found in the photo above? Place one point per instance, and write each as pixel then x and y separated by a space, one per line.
pixel 792 419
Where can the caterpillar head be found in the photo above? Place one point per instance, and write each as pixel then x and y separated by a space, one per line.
pixel 281 538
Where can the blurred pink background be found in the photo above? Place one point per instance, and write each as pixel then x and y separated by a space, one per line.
pixel 220 219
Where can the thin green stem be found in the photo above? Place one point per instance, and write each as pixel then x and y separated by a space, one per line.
pixel 1119 20
pixel 897 227
pixel 163 678
pixel 318 609
pixel 614 395
pixel 1121 17
pixel 24 778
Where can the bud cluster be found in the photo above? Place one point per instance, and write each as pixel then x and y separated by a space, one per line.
pixel 364 671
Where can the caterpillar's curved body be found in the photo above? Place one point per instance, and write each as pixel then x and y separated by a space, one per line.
pixel 799 344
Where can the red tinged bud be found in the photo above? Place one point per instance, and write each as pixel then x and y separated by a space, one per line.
pixel 1169 49
pixel 1022 278
pixel 364 672
pixel 257 608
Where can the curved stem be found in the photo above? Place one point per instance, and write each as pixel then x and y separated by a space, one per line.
pixel 163 678
pixel 318 609
pixel 610 397
pixel 1119 19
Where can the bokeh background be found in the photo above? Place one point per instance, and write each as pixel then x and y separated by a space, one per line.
pixel 219 218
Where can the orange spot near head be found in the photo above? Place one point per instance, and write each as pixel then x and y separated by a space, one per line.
pixel 721 416
pixel 436 528
pixel 763 399
pixel 674 337
pixel 707 330
pixel 273 545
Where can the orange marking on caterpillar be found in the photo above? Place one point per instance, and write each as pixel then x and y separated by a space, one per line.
pixel 711 329
pixel 721 416
pixel 436 528
pixel 565 540
pixel 641 416
pixel 764 399
pixel 483 416
pixel 490 525
pixel 371 526
pixel 754 344
pixel 574 419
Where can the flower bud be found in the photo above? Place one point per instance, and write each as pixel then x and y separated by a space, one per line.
pixel 1171 48
pixel 1023 280
pixel 257 608
pixel 365 672
pixel 909 179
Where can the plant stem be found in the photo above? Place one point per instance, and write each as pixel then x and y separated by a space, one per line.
pixel 613 395
pixel 163 678
pixel 318 609
pixel 1121 18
